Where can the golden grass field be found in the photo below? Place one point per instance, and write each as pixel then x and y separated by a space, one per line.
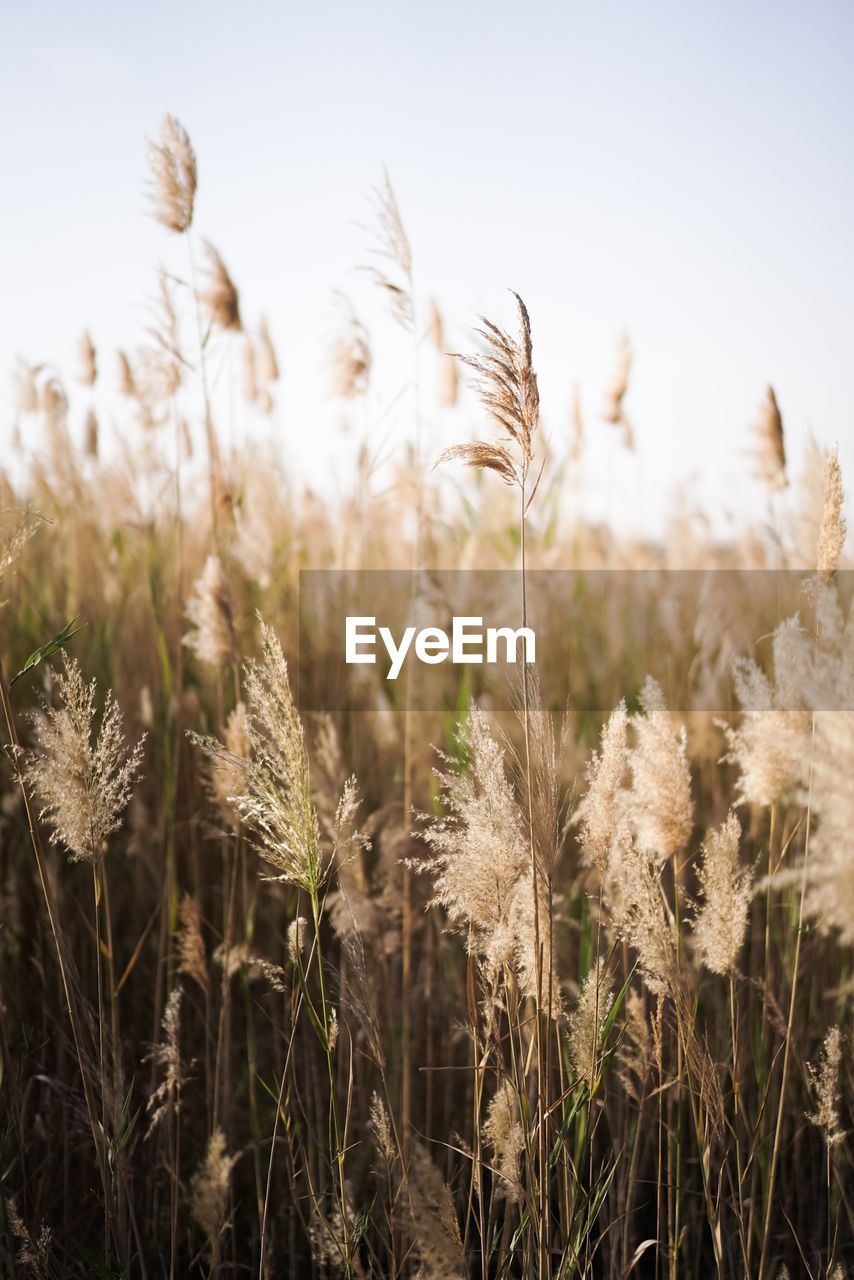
pixel 474 989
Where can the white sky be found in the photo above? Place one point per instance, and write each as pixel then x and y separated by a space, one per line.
pixel 681 169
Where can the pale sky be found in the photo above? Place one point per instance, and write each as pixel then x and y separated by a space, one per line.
pixel 681 170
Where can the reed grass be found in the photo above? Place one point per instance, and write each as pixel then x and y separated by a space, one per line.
pixel 393 992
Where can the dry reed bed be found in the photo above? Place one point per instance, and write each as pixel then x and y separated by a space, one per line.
pixel 298 999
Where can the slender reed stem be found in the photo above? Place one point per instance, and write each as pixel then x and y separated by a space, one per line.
pixel 778 1127
pixel 542 1101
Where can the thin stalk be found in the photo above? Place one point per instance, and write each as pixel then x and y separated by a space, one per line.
pixel 296 1012
pixel 736 1095
pixel 333 1103
pixel 778 1128
pixel 684 1033
pixel 542 1145
pixel 408 766
pixel 765 1027
pixel 96 894
pixel 214 460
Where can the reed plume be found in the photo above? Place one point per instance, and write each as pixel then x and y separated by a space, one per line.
pixel 392 244
pixel 220 296
pixel 660 798
pixel 83 782
pixel 506 384
pixel 721 923
pixel 224 782
pixel 478 846
pixel 209 610
pixel 433 1219
pixel 349 355
pixel 165 1100
pixel 172 162
pixel 587 1021
pixel 13 541
pixel 637 1051
pixel 34 1254
pixel 613 410
pixel 505 1135
pixel 824 1078
pixel 87 360
pixel 599 813
pixel 273 795
pixel 192 956
pixel 640 915
pixel 769 447
pixel 209 1191
pixel 769 744
pixel 831 533
pixel 126 380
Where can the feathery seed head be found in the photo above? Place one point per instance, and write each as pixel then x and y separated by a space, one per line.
pixel 637 1047
pixel 831 534
pixel 598 813
pixel 721 923
pixel 212 638
pixel 478 847
pixel 349 356
pixel 192 958
pixel 34 1254
pixel 825 1082
pixel 586 1023
pixel 87 360
pixel 90 435
pixel 166 1098
pixel 769 449
pixel 504 1133
pixel 613 410
pixel 220 297
pixel 392 243
pixel 640 918
pixel 506 383
pixel 126 380
pixel 769 744
pixel 381 1126
pixel 296 938
pixel 273 795
pixel 268 362
pixel 209 1190
pixel 172 162
pixel 434 1220
pixel 224 780
pixel 82 782
pixel 13 541
pixel 660 798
